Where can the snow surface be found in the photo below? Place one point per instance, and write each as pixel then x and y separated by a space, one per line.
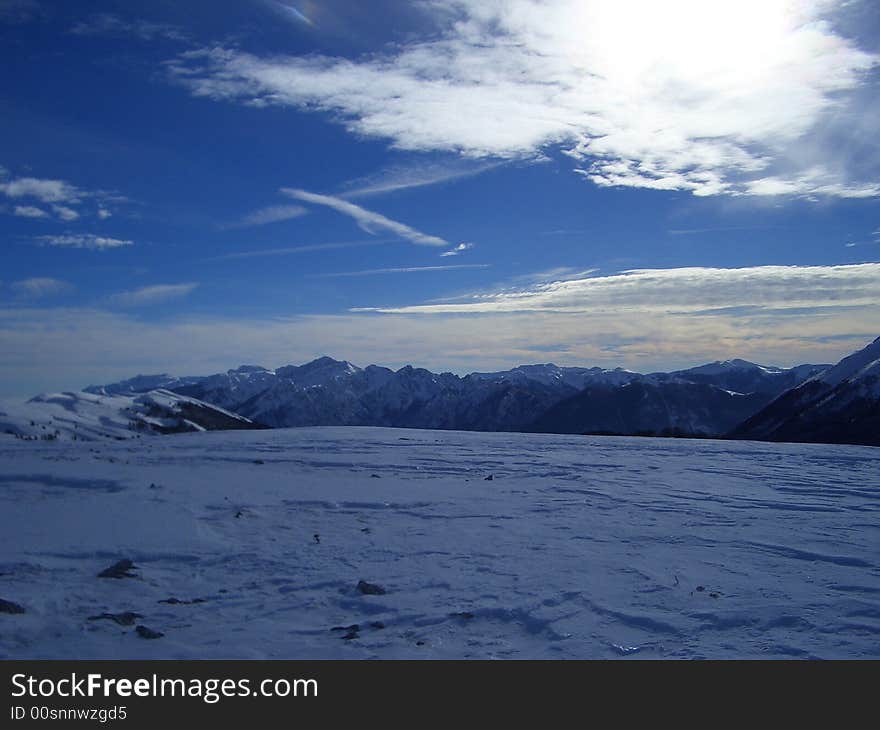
pixel 579 547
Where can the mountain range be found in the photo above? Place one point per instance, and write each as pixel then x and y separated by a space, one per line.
pixel 707 400
pixel 731 398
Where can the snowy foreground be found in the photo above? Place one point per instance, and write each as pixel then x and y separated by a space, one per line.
pixel 578 547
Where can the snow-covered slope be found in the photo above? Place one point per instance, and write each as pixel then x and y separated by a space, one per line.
pixel 859 365
pixel 252 544
pixel 838 405
pixel 88 416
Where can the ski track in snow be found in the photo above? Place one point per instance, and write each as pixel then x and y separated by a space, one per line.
pixel 579 547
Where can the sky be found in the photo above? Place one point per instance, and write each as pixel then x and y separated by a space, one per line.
pixel 190 185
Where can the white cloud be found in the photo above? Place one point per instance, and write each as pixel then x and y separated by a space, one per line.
pixel 30 211
pixel 708 97
pixel 65 213
pixel 368 220
pixel 270 214
pixel 84 240
pixel 38 287
pixel 152 294
pixel 46 191
pixel 458 249
pixel 398 270
pixel 63 197
pixel 682 290
pixel 812 182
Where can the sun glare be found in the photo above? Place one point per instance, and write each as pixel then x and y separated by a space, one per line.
pixel 691 40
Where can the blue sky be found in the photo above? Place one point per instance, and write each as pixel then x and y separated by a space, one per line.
pixel 186 186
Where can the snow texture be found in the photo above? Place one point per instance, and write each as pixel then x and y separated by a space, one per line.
pixel 254 545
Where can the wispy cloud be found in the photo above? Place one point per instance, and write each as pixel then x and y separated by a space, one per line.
pixel 290 12
pixel 20 11
pixel 39 287
pixel 84 240
pixel 67 348
pixel 114 25
pixel 458 249
pixel 269 214
pixel 399 270
pixel 817 181
pixel 557 273
pixel 29 211
pixel 155 294
pixel 681 290
pixel 405 177
pixel 62 212
pixel 713 98
pixel 294 250
pixel 714 229
pixel 368 220
pixel 565 232
pixel 65 213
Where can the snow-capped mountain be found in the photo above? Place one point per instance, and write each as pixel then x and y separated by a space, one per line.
pixel 87 416
pixel 708 400
pixel 553 375
pixel 343 394
pixel 232 388
pixel 839 405
pixel 742 376
pixel 142 384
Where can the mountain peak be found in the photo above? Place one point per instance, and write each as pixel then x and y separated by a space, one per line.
pixel 323 361
pixel 851 366
pixel 721 366
pixel 245 369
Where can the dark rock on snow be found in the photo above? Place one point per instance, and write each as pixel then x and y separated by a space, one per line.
pixel 370 589
pixel 122 569
pixel 126 618
pixel 146 633
pixel 10 607
pixel 178 602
